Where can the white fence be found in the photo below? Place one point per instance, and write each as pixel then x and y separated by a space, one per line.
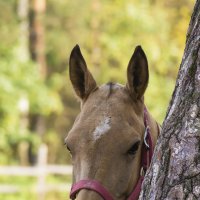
pixel 41 170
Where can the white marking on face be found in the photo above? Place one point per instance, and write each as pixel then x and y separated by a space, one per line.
pixel 102 128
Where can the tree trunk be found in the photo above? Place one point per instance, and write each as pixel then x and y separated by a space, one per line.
pixel 37 35
pixel 23 56
pixel 37 52
pixel 175 169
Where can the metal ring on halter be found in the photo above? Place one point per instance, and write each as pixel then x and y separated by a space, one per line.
pixel 142 173
pixel 145 137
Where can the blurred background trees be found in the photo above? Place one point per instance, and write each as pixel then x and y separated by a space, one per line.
pixel 37 103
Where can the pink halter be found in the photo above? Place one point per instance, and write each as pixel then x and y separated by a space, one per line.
pixel 147 152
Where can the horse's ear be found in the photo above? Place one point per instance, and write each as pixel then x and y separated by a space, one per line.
pixel 82 80
pixel 137 73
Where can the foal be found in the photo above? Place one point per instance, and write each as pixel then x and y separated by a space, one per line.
pixel 112 138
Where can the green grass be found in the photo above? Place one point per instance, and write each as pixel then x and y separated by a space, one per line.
pixel 33 196
pixel 27 185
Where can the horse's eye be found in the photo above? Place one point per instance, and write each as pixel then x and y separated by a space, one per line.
pixel 134 148
pixel 67 147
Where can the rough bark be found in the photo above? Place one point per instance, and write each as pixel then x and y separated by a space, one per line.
pixel 175 168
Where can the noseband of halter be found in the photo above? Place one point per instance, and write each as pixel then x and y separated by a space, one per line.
pixel 147 152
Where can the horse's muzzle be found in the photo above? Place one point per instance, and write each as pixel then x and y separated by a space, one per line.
pixel 88 194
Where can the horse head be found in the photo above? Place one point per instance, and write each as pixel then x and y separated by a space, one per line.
pixel 107 137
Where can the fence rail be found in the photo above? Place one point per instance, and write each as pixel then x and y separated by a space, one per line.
pixel 40 171
pixel 36 170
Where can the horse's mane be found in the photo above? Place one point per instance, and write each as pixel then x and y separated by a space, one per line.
pixel 110 85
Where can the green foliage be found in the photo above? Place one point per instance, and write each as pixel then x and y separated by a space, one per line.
pixel 21 81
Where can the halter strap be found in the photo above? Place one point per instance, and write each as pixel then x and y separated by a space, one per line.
pixel 147 152
pixel 136 191
pixel 90 185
